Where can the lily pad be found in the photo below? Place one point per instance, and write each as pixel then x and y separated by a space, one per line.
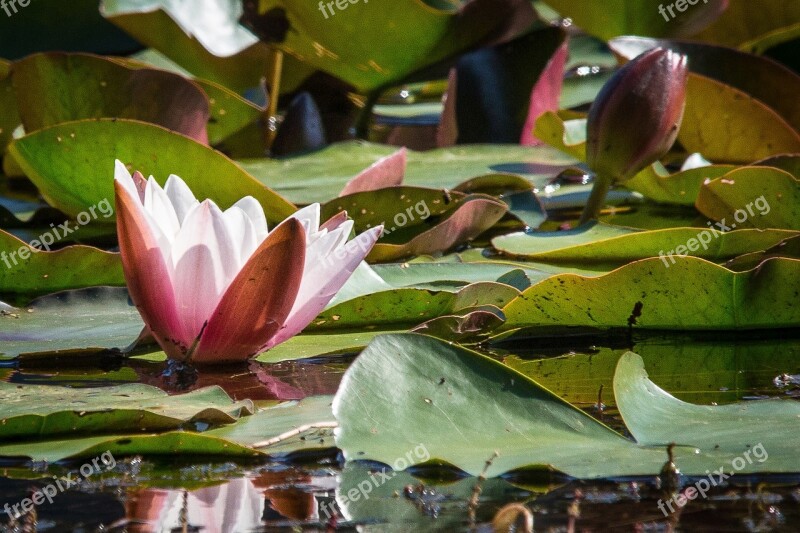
pixel 723 370
pixel 681 188
pixel 233 440
pixel 72 164
pixel 753 197
pixel 601 243
pixel 410 306
pixel 340 41
pixel 33 271
pixel 230 113
pixel 756 434
pixel 206 40
pixel 320 176
pixel 438 399
pixel 91 321
pixel 44 411
pixel 691 294
pixel 566 134
pixel 618 17
pixel 745 24
pixel 476 215
pixel 55 87
pixel 726 124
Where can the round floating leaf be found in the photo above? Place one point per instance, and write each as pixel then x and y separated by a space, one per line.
pixel 72 164
pixel 727 125
pixel 9 116
pixel 682 188
pixel 56 87
pixel 753 197
pixel 609 245
pixel 689 294
pixel 26 270
pixel 320 176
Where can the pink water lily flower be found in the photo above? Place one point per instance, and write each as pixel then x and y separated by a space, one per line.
pixel 216 286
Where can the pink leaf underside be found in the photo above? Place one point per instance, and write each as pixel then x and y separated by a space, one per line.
pixel 471 219
pixel 259 299
pixel 386 172
pixel 545 94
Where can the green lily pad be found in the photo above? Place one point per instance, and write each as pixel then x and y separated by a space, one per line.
pixel 788 248
pixel 44 411
pixel 611 245
pixel 691 294
pixel 757 435
pixel 55 87
pixel 618 17
pixel 214 47
pixel 657 184
pixel 438 398
pixel 34 271
pixel 341 41
pixel 566 134
pixel 90 321
pixel 320 176
pixel 721 370
pixel 753 197
pixel 744 24
pixel 410 306
pixel 400 207
pixel 726 124
pixel 475 215
pixel 72 164
pixel 233 440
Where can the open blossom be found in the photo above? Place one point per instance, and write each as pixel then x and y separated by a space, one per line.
pixel 216 286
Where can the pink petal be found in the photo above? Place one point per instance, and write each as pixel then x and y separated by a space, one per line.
pixel 258 301
pixel 204 263
pixel 147 274
pixel 322 283
pixel 334 222
pixel 386 172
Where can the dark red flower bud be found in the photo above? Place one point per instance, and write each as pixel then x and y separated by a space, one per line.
pixel 635 118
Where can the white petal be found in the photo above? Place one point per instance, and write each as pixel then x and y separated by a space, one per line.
pixel 241 230
pixel 309 217
pixel 204 263
pixel 122 175
pixel 157 203
pixel 181 196
pixel 255 212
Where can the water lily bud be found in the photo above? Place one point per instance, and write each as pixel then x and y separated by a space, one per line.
pixel 635 118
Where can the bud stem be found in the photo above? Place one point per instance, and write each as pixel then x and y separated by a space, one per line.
pixel 596 199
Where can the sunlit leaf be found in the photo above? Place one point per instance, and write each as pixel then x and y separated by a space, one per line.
pixel 72 164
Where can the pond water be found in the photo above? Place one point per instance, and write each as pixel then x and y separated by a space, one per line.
pixel 318 492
